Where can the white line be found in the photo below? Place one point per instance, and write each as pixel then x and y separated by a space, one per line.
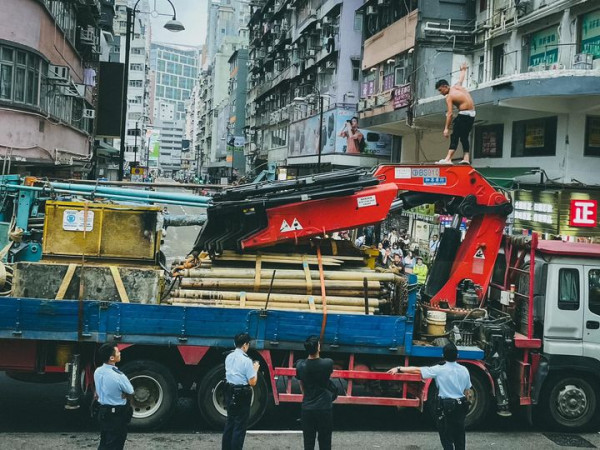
pixel 274 432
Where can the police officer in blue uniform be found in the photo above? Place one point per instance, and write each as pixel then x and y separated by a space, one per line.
pixel 454 388
pixel 241 375
pixel 112 389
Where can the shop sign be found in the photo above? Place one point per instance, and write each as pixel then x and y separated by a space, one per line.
pixel 590 34
pixel 536 211
pixel 402 96
pixel 543 47
pixel 584 213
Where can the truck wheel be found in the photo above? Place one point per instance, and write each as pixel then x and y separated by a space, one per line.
pixel 211 398
pixel 480 402
pixel 568 402
pixel 155 394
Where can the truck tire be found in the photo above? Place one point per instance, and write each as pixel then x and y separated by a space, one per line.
pixel 155 394
pixel 568 402
pixel 479 409
pixel 211 398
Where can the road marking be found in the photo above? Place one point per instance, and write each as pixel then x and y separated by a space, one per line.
pixel 274 432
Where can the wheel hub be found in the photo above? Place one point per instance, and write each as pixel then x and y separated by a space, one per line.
pixel 147 396
pixel 572 401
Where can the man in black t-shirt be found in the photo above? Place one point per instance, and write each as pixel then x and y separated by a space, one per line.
pixel 314 373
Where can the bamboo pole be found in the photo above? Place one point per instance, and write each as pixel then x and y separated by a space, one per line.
pixel 317 311
pixel 262 297
pixel 274 305
pixel 356 275
pixel 248 284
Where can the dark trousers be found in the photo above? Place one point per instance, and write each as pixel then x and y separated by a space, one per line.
pixel 451 427
pixel 461 128
pixel 235 426
pixel 317 422
pixel 113 427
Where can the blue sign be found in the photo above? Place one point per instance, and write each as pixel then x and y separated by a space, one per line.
pixel 435 181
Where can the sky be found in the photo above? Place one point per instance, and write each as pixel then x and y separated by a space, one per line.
pixel 193 15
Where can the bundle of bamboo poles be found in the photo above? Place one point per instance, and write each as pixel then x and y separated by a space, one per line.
pixel 354 290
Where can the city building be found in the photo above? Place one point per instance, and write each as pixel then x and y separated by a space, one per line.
pixel 533 72
pixel 49 51
pixel 175 69
pixel 303 88
pixel 220 92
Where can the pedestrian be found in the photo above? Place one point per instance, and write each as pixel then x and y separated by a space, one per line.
pixel 457 96
pixel 241 374
pixel 317 403
pixel 398 265
pixel 434 244
pixel 454 389
pixel 409 261
pixel 112 390
pixel 420 270
pixel 396 249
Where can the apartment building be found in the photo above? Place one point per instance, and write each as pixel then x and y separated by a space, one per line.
pixel 47 80
pixel 533 72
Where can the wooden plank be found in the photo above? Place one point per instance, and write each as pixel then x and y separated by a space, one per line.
pixel 64 285
pixel 119 283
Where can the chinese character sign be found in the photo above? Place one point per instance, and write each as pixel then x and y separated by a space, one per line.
pixel 543 47
pixel 584 213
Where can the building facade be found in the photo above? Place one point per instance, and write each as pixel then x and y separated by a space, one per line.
pixel 175 69
pixel 532 74
pixel 47 80
pixel 305 60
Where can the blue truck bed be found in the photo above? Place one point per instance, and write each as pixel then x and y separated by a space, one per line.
pixel 61 320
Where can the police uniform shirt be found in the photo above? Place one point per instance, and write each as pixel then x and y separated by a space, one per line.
pixel 239 368
pixel 111 383
pixel 451 378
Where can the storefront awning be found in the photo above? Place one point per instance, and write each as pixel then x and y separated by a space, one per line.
pixel 106 150
pixel 504 177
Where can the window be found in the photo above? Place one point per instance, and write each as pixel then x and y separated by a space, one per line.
pixel 592 136
pixel 482 5
pixel 568 289
pixel 19 76
pixel 355 69
pixel 136 83
pixel 488 141
pixel 138 67
pixel 358 21
pixel 498 61
pixel 536 137
pixel 594 290
pixel 480 69
pixel 589 34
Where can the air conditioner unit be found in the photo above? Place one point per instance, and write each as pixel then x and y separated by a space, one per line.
pixel 312 12
pixel 326 20
pixel 371 11
pixel 288 47
pixel 311 52
pixel 583 61
pixel 58 73
pixel 89 113
pixel 318 26
pixel 269 49
pixel 310 77
pixel 380 2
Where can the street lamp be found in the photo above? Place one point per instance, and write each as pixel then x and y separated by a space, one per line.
pixel 304 99
pixel 172 25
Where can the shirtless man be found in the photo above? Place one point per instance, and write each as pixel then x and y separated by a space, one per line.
pixel 458 96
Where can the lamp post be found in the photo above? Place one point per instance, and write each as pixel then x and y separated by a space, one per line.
pixel 172 25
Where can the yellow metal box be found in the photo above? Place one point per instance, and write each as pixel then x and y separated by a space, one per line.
pixel 110 231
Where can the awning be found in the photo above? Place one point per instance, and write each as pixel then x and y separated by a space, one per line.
pixel 504 177
pixel 106 150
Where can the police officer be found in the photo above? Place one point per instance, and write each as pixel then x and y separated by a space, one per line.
pixel 241 375
pixel 454 387
pixel 112 389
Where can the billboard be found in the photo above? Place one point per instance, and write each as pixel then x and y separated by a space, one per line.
pixel 153 137
pixel 304 136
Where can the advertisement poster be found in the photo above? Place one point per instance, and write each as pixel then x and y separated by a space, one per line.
pixel 534 134
pixel 543 47
pixel 304 136
pixel 590 34
pixel 153 137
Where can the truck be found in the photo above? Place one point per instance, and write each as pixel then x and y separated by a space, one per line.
pixel 524 312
